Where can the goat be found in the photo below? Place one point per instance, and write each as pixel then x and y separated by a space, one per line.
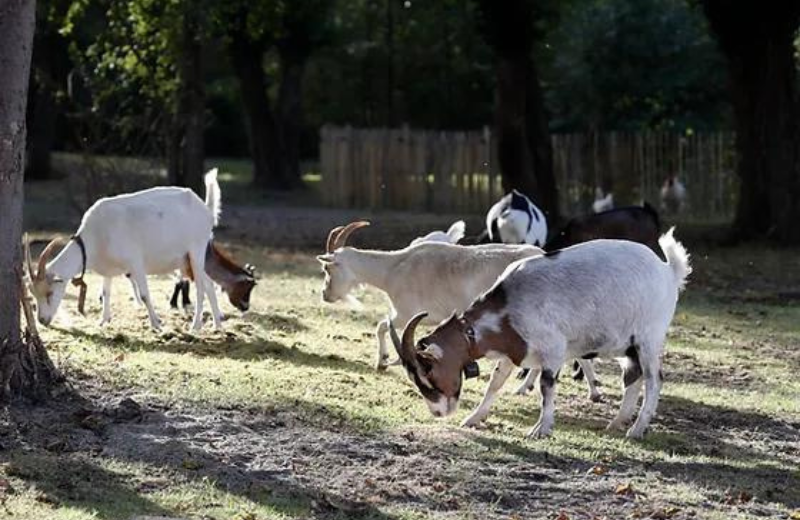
pixel 440 278
pixel 453 234
pixel 602 202
pixel 236 281
pixel 514 219
pixel 636 223
pixel 673 195
pixel 152 231
pixel 602 298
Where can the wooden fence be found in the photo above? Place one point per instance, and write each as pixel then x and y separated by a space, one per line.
pixel 457 172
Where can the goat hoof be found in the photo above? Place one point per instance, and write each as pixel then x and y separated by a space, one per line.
pixel 539 431
pixel 522 390
pixel 596 398
pixel 472 421
pixel 635 433
pixel 615 425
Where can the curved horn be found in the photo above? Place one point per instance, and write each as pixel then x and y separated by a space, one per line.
pixel 407 350
pixel 332 236
pixel 41 268
pixel 341 238
pixel 26 245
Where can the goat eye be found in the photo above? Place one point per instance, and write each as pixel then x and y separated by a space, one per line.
pixel 470 332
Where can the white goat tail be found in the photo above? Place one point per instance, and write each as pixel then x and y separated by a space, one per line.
pixel 213 194
pixel 456 231
pixel 677 257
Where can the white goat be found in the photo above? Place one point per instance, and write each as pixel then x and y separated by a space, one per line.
pixel 602 202
pixel 601 298
pixel 452 236
pixel 439 278
pixel 673 195
pixel 153 231
pixel 514 219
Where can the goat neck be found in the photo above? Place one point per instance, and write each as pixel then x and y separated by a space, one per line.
pixel 69 262
pixel 370 267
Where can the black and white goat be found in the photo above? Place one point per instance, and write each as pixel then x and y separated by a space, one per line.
pixel 610 298
pixel 436 277
pixel 514 219
pixel 235 280
pixel 154 231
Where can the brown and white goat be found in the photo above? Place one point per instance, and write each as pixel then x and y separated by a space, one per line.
pixel 235 280
pixel 610 298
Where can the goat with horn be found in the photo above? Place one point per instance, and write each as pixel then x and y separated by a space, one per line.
pixel 437 277
pixel 611 298
pixel 154 231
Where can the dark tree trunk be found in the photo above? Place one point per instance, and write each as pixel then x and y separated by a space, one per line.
pixel 521 126
pixel 186 154
pixel 41 132
pixel 20 362
pixel 266 145
pixel 757 41
pixel 290 110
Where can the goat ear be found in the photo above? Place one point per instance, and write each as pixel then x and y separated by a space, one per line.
pixel 327 258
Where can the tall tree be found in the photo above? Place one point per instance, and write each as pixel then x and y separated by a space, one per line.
pixel 524 148
pixel 757 41
pixel 19 364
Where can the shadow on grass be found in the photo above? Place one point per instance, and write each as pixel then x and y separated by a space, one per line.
pixel 226 345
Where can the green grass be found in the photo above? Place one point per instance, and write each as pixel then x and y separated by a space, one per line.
pixel 723 432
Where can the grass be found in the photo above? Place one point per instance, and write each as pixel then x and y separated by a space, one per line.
pixel 321 434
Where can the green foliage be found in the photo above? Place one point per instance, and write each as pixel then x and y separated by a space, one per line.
pixel 622 64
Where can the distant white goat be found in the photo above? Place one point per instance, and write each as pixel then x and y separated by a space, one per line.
pixel 437 277
pixel 610 298
pixel 602 202
pixel 673 195
pixel 451 236
pixel 514 219
pixel 154 231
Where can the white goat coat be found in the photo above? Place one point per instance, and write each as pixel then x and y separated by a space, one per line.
pixel 142 228
pixel 595 297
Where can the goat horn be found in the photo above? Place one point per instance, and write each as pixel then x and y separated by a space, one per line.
pixel 26 244
pixel 332 236
pixel 341 238
pixel 41 268
pixel 407 350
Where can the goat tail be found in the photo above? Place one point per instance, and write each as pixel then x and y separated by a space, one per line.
pixel 677 257
pixel 213 195
pixel 456 231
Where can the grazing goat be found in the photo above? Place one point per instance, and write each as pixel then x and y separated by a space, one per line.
pixel 439 278
pixel 635 223
pixel 602 202
pixel 673 195
pixel 514 219
pixel 154 231
pixel 454 233
pixel 603 298
pixel 236 281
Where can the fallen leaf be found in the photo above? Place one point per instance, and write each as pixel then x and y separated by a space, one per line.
pixel 562 516
pixel 624 489
pixel 598 470
pixel 120 357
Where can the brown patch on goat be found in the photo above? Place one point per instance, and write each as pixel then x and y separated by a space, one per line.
pixel 454 338
pixel 225 260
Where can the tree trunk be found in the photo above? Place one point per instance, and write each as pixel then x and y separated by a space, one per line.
pixel 187 141
pixel 523 137
pixel 266 145
pixel 20 362
pixel 290 110
pixel 757 41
